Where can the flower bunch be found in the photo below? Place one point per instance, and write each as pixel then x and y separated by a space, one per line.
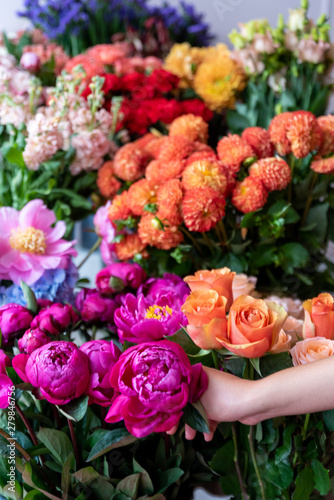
pixel 288 66
pixel 210 72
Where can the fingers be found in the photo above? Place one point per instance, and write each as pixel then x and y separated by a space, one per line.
pixel 213 426
pixel 190 433
pixel 172 430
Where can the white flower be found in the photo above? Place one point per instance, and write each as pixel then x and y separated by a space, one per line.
pixel 296 19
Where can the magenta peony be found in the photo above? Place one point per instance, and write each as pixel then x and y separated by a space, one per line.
pixel 116 277
pixel 5 362
pixel 102 356
pixel 55 319
pixel 6 390
pixel 156 382
pixel 93 306
pixel 59 370
pixel 29 244
pixel 14 320
pixel 32 340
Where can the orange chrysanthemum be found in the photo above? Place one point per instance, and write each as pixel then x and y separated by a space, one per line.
pixel 191 126
pixel 277 131
pixel 274 172
pixel 130 162
pixel 140 194
pixel 108 53
pixel 201 155
pixel 169 197
pixel 304 133
pixel 106 181
pixel 129 246
pixel 151 233
pixel 176 147
pixel 154 146
pixel 259 140
pixel 202 208
pixel 232 151
pixel 326 124
pixel 119 208
pixel 144 141
pixel 158 172
pixel 89 64
pixel 323 165
pixel 249 195
pixel 204 173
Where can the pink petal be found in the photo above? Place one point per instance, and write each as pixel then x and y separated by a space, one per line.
pixel 48 261
pixel 114 413
pixel 59 247
pixel 19 364
pixel 57 232
pixel 9 219
pixel 36 214
pixel 16 260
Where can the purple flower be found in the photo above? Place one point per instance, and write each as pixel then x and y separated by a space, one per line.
pixel 93 306
pixel 170 283
pixel 116 277
pixel 145 319
pixel 14 320
pixel 58 369
pixel 32 340
pixel 155 381
pixel 102 356
pixel 55 319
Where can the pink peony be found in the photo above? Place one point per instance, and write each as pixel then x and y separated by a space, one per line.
pixel 5 362
pixel 29 244
pixel 156 381
pixel 32 340
pixel 102 356
pixel 105 229
pixel 93 306
pixel 6 390
pixel 116 277
pixel 14 320
pixel 55 319
pixel 58 369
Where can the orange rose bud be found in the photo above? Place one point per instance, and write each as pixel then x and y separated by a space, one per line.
pixel 206 314
pixel 219 280
pixel 310 350
pixel 253 326
pixel 319 317
pixel 283 343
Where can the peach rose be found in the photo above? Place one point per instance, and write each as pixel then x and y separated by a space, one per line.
pixel 283 343
pixel 294 307
pixel 312 349
pixel 319 317
pixel 219 280
pixel 253 326
pixel 294 328
pixel 206 314
pixel 243 285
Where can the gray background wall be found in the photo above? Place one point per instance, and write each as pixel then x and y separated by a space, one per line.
pixel 223 15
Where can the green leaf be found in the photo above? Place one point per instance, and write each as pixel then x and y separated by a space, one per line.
pixel 283 452
pixel 279 209
pixel 272 363
pixel 34 495
pixel 167 477
pixel 293 255
pixel 263 255
pixel 65 474
pixel 223 460
pixel 321 477
pixel 195 416
pixel 182 338
pixel 280 474
pixel 255 362
pixel 108 441
pixel 146 485
pixel 129 485
pixel 76 409
pixel 86 475
pixel 304 484
pixel 29 297
pixel 235 365
pixel 15 156
pixel 57 442
pixel 235 263
pixel 328 418
pixel 318 216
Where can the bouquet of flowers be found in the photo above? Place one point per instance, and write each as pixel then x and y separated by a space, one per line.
pixel 79 25
pixel 288 67
pixel 261 203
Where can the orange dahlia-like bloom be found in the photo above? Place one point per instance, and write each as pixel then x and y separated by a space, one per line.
pixel 201 155
pixel 144 141
pixel 219 79
pixel 326 124
pixel 277 131
pixel 169 198
pixel 204 173
pixel 202 208
pixel 323 165
pixel 140 194
pixel 176 147
pixel 157 172
pixel 274 172
pixel 90 65
pixel 200 147
pixel 191 126
pixel 130 246
pixel 153 147
pixel 106 181
pixel 152 233
pixel 249 195
pixel 259 140
pixel 108 53
pixel 130 162
pixel 232 151
pixel 119 208
pixel 304 133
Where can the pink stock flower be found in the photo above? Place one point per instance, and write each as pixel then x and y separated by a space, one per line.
pixel 59 370
pixel 14 320
pixel 91 146
pixel 32 340
pixel 55 319
pixel 29 244
pixel 102 356
pixel 156 381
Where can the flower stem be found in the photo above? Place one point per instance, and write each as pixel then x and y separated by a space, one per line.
pixel 167 445
pixel 291 183
pixel 91 251
pixel 309 199
pixel 192 239
pixel 215 359
pixel 75 444
pixel 209 243
pixel 305 426
pixel 221 226
pixel 253 456
pixel 236 463
pixel 19 448
pixel 27 424
pixel 103 417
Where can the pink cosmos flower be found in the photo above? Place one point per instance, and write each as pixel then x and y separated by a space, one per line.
pixel 29 244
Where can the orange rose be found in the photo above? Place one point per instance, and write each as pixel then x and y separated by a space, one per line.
pixel 283 343
pixel 206 314
pixel 219 280
pixel 253 326
pixel 319 317
pixel 243 285
pixel 312 349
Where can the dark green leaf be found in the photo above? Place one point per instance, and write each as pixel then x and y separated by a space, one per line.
pixel 182 338
pixel 235 365
pixel 255 362
pixel 167 477
pixel 86 475
pixel 108 441
pixel 293 255
pixel 280 474
pixel 29 297
pixel 318 216
pixel 304 484
pixel 223 460
pixel 195 416
pixel 263 255
pixel 15 156
pixel 129 485
pixel 146 485
pixel 57 442
pixel 273 363
pixel 76 409
pixel 284 451
pixel 65 474
pixel 321 477
pixel 328 418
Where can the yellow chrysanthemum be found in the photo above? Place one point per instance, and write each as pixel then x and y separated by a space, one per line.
pixel 219 79
pixel 183 60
